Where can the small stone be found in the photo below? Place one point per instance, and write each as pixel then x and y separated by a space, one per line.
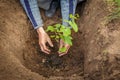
pixel 74 75
pixel 43 60
pixel 58 70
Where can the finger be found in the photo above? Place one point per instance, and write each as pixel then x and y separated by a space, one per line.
pixel 43 50
pixel 67 46
pixel 61 44
pixel 61 54
pixel 50 42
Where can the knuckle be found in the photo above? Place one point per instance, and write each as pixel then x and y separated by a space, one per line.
pixel 39 43
pixel 42 50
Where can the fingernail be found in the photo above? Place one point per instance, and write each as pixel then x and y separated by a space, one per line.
pixel 47 53
pixel 60 55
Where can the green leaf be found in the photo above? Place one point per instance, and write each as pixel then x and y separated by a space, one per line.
pixel 62 37
pixel 77 15
pixel 118 2
pixel 73 17
pixel 57 37
pixel 57 26
pixel 63 49
pixel 52 36
pixel 68 40
pixel 70 37
pixel 62 29
pixel 75 27
pixel 72 24
pixel 67 32
pixel 50 28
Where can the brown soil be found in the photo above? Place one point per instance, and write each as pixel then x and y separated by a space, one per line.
pixel 21 58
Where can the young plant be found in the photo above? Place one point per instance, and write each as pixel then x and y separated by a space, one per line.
pixel 64 32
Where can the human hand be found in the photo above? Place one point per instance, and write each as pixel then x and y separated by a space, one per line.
pixel 65 45
pixel 43 39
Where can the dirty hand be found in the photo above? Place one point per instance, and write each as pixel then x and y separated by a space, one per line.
pixel 63 44
pixel 43 39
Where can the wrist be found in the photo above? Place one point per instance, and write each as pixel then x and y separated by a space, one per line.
pixel 40 30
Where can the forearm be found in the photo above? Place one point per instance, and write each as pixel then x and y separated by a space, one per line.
pixel 67 7
pixel 32 10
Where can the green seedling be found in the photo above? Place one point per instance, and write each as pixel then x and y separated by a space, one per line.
pixel 64 32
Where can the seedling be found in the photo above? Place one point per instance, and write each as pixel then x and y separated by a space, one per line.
pixel 64 32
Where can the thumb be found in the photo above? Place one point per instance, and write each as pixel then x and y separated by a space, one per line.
pixel 61 44
pixel 67 46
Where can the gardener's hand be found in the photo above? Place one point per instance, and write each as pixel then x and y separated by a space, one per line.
pixel 43 39
pixel 63 44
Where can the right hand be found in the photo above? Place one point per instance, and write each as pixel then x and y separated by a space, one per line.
pixel 43 39
pixel 63 44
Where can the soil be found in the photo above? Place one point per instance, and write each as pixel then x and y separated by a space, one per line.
pixel 95 46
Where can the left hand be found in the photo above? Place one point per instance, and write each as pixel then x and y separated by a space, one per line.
pixel 43 39
pixel 63 44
